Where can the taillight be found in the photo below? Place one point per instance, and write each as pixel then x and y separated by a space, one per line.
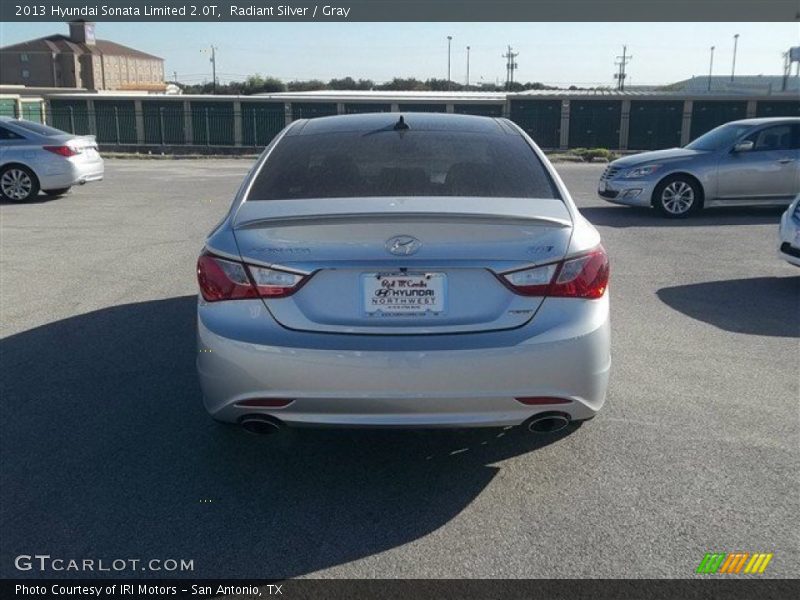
pixel 272 283
pixel 223 279
pixel 65 151
pixel 584 276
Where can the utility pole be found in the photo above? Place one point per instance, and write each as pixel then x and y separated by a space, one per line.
pixel 213 61
pixel 735 44
pixel 175 76
pixel 467 66
pixel 510 66
pixel 449 40
pixel 622 61
pixel 710 68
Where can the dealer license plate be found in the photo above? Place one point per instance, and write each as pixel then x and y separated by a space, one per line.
pixel 398 294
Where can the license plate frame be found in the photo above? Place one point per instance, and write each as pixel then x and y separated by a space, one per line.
pixel 408 294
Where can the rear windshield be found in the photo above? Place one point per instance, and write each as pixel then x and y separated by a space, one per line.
pixel 407 163
pixel 39 129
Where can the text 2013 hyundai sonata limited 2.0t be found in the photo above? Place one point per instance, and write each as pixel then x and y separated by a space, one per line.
pixel 413 270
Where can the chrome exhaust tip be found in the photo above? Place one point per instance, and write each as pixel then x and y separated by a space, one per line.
pixel 548 423
pixel 260 424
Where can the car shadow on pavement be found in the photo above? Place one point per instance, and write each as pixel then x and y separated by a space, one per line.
pixel 636 216
pixel 767 306
pixel 39 199
pixel 107 452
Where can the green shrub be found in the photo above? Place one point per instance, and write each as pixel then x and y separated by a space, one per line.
pixel 589 154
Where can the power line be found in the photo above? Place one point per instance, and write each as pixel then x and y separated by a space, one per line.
pixel 511 65
pixel 213 60
pixel 622 62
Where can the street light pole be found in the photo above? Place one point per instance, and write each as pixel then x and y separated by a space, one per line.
pixel 710 68
pixel 467 66
pixel 735 44
pixel 449 39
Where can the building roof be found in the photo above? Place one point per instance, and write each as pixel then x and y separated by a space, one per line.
pixel 742 84
pixel 62 43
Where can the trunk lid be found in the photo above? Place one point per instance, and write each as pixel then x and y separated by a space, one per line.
pixel 434 258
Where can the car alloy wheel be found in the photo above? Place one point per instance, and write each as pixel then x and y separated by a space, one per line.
pixel 677 198
pixel 16 184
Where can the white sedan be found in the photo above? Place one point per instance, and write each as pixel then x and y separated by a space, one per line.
pixel 790 233
pixel 35 157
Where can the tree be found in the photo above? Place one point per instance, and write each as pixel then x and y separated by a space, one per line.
pixel 306 86
pixel 348 83
pixel 399 84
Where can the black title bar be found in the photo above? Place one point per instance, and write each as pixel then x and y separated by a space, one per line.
pixel 706 588
pixel 401 10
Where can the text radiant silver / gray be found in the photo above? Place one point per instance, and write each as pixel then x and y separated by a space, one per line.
pixel 412 271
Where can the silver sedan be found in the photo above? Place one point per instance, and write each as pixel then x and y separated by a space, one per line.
pixel 748 162
pixel 789 233
pixel 413 270
pixel 35 157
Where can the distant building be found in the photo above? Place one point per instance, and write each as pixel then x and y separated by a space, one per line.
pixel 741 84
pixel 80 61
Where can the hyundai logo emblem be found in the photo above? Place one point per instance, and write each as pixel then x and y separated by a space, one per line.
pixel 403 245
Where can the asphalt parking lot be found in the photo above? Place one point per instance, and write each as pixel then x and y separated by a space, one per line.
pixel 106 451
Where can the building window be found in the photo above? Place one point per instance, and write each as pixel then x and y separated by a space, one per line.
pixel 26 74
pixel 23 57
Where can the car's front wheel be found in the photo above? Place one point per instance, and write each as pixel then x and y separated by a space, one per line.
pixel 57 192
pixel 18 183
pixel 677 197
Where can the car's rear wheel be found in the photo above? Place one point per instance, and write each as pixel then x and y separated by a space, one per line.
pixel 18 183
pixel 677 197
pixel 57 192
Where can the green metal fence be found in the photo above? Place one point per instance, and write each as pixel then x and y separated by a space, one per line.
pixel 594 123
pixel 164 123
pixel 483 110
pixel 540 119
pixel 69 115
pixel 311 110
pixel 8 107
pixel 779 108
pixel 212 123
pixel 254 122
pixel 655 124
pixel 365 107
pixel 261 122
pixel 709 114
pixel 32 110
pixel 116 121
pixel 416 107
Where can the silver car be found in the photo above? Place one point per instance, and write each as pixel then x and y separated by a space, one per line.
pixel 789 234
pixel 36 157
pixel 415 270
pixel 748 162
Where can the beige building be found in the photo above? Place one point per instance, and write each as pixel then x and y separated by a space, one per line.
pixel 80 61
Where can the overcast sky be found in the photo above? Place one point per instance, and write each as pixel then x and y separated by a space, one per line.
pixel 553 53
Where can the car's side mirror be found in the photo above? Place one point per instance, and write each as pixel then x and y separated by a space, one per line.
pixel 744 146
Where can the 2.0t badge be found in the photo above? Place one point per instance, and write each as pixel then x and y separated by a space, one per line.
pixel 403 245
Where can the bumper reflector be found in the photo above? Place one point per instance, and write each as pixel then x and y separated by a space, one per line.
pixel 540 400
pixel 265 403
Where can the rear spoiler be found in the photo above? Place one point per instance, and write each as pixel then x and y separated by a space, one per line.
pixel 255 213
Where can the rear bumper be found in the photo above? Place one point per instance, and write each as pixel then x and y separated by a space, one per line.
pixel 404 381
pixel 69 173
